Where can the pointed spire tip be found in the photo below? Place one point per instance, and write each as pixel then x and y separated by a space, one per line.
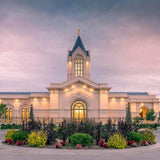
pixel 79 32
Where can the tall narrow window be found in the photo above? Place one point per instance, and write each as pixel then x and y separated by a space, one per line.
pixel 23 114
pixel 78 67
pixel 10 115
pixel 6 116
pixel 27 114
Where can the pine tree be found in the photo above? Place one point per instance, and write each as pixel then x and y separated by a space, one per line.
pixel 128 115
pixel 31 115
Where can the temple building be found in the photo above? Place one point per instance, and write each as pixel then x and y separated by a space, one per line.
pixel 78 97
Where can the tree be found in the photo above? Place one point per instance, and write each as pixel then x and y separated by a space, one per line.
pixel 31 115
pixel 137 120
pixel 2 109
pixel 150 115
pixel 128 114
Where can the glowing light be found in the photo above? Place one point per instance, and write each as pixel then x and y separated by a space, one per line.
pixel 87 62
pixel 66 90
pixel 0 100
pixel 113 99
pixel 140 110
pixel 122 99
pixel 73 86
pixel 84 86
pixel 35 99
pixel 91 89
pixel 44 99
pixel 70 62
pixel 16 100
pixel 142 104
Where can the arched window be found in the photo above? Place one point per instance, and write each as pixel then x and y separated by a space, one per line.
pixel 8 115
pixel 78 67
pixel 25 114
pixel 79 111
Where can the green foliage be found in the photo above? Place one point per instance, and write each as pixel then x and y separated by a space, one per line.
pixel 9 134
pixel 128 114
pixel 136 136
pixel 107 130
pixel 117 141
pixel 37 138
pixel 150 126
pixel 150 115
pixel 51 133
pixel 80 138
pixel 3 109
pixel 20 136
pixel 137 120
pixel 31 115
pixel 66 129
pixel 11 126
pixel 148 136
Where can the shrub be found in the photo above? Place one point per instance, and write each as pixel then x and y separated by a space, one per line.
pixel 38 139
pixel 10 126
pixel 148 136
pixel 117 141
pixel 136 136
pixel 80 138
pixel 20 136
pixel 124 128
pixel 9 134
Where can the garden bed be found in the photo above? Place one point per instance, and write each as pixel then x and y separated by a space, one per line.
pixel 92 147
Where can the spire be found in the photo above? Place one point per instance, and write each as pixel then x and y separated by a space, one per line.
pixel 79 32
pixel 77 44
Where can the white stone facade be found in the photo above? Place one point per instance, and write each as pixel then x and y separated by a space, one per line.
pixel 77 97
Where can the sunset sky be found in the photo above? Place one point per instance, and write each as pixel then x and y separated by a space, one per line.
pixel 123 37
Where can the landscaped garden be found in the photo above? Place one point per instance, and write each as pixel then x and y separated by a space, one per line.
pixel 86 134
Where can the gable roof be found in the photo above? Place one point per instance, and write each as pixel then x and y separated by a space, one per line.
pixel 77 44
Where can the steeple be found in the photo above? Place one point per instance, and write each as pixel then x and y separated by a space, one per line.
pixel 78 60
pixel 77 44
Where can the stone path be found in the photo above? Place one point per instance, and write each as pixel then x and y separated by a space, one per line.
pixel 27 153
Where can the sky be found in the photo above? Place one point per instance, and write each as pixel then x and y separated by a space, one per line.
pixel 123 37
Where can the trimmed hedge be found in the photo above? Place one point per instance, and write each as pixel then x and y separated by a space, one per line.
pixel 136 136
pixel 80 138
pixel 20 136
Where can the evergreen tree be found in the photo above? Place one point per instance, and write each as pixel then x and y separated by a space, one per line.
pixel 150 115
pixel 31 115
pixel 128 114
pixel 3 109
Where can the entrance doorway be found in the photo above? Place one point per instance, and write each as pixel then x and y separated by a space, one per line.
pixel 79 110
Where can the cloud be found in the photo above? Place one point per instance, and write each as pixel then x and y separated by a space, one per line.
pixel 123 37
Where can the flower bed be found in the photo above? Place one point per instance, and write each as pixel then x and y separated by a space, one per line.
pixel 79 140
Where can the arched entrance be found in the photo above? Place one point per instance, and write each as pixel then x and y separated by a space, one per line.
pixel 79 110
pixel 142 112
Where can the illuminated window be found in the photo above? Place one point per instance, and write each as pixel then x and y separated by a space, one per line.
pixel 6 116
pixel 10 115
pixel 79 111
pixel 78 67
pixel 27 114
pixel 23 114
